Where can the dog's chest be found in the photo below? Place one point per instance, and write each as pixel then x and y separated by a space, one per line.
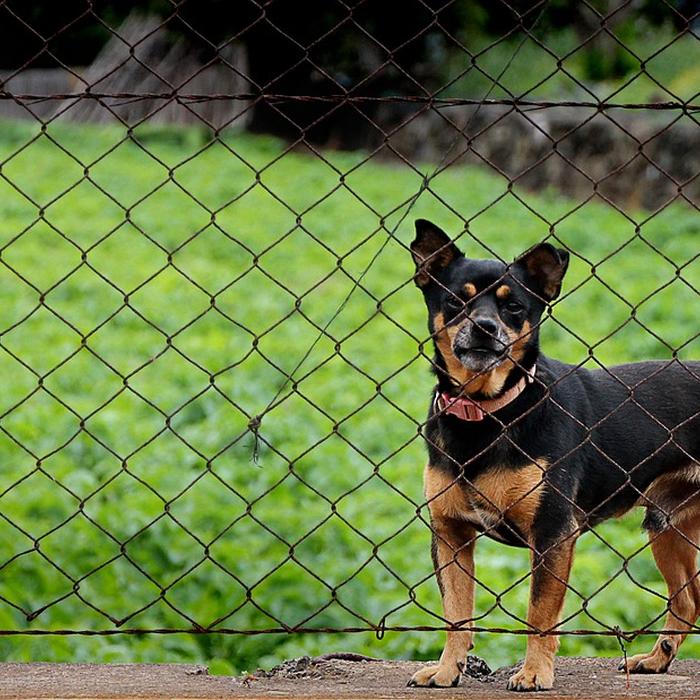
pixel 496 497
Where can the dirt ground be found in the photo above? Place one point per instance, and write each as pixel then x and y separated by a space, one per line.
pixel 330 677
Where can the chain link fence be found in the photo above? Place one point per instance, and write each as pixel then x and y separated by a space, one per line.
pixel 213 356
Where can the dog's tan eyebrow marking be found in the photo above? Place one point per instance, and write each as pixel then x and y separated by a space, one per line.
pixel 470 289
pixel 503 292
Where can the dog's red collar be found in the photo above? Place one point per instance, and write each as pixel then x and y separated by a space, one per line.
pixel 472 410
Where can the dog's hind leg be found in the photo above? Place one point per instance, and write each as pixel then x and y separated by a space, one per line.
pixel 675 550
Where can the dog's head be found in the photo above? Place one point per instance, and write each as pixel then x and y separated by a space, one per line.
pixel 484 315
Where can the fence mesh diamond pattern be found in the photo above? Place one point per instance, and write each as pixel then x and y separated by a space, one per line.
pixel 213 356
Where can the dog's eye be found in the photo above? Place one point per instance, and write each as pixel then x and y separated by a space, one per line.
pixel 514 307
pixel 454 303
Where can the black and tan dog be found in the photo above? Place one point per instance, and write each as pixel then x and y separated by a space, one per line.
pixel 533 452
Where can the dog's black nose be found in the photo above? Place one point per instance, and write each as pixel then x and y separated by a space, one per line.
pixel 486 325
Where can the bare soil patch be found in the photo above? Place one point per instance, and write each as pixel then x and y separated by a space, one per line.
pixel 333 676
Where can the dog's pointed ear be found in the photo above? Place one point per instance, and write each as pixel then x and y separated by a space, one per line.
pixel 546 265
pixel 432 251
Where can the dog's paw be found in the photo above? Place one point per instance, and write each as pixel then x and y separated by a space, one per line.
pixel 437 676
pixel 657 661
pixel 527 679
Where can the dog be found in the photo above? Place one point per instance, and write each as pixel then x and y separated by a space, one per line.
pixel 533 452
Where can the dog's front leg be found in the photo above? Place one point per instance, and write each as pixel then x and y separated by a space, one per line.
pixel 453 557
pixel 551 564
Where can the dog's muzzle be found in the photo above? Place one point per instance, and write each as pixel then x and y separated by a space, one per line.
pixel 480 344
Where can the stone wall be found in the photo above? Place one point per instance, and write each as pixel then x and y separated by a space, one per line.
pixel 633 158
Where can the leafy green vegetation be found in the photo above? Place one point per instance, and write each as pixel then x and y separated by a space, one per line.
pixel 645 63
pixel 182 280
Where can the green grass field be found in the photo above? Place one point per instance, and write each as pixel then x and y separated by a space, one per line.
pixel 180 282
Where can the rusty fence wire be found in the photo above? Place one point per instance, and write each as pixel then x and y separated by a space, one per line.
pixel 213 354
